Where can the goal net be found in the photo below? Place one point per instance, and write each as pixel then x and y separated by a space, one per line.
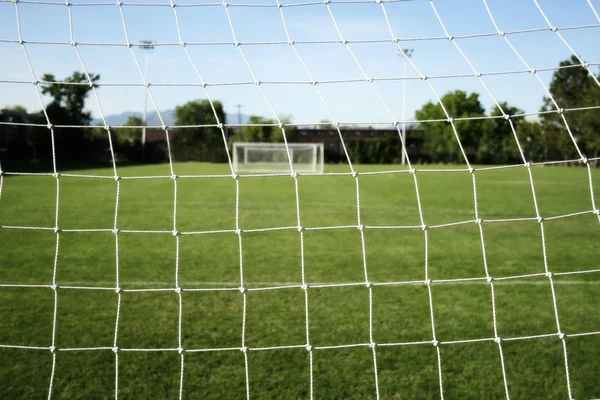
pixel 299 199
pixel 274 157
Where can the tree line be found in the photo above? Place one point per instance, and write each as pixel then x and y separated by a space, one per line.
pixel 492 140
pixel 485 138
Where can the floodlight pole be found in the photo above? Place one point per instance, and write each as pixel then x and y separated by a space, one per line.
pixel 239 108
pixel 408 53
pixel 147 46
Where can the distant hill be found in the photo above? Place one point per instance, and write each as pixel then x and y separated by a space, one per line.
pixel 153 120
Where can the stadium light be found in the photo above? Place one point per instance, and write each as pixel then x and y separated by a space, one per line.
pixel 408 53
pixel 147 46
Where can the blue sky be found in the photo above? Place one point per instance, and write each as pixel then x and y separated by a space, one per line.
pixel 349 102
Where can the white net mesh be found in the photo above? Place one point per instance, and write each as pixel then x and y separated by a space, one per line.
pixel 290 161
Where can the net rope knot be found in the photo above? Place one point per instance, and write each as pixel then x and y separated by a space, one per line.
pixel 243 290
pixel 308 347
pixel 115 349
pixel 435 343
pixel 52 349
pixel 56 229
pixel 498 340
pixel 180 350
pixel 561 336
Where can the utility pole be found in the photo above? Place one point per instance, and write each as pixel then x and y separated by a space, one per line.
pixel 239 108
pixel 147 46
pixel 408 53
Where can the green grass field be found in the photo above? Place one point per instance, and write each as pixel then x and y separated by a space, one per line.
pixel 535 368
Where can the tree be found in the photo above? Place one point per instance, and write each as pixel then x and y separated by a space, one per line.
pixel 534 142
pixel 130 135
pixel 573 87
pixel 17 108
pixel 199 143
pixel 440 143
pixel 67 108
pixel 257 130
pixel 260 131
pixel 497 144
pixel 68 102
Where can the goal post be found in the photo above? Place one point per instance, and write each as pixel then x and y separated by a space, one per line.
pixel 251 157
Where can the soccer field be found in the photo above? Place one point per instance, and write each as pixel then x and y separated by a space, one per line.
pixel 272 321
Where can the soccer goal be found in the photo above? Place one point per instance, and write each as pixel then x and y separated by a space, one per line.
pixel 278 157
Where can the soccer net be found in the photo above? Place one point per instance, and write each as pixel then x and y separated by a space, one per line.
pixel 273 157
pixel 349 109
